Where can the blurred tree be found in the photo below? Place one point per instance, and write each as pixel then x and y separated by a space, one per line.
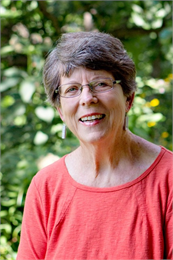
pixel 30 128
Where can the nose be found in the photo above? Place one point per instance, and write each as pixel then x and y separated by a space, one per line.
pixel 87 97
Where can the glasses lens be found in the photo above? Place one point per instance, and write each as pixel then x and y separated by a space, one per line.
pixel 74 89
pixel 70 90
pixel 101 85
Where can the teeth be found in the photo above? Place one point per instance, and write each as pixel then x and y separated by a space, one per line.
pixel 88 118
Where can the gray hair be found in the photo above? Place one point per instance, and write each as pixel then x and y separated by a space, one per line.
pixel 92 50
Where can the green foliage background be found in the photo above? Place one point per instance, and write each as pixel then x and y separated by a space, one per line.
pixel 30 128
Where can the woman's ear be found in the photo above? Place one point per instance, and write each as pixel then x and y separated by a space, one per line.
pixel 129 101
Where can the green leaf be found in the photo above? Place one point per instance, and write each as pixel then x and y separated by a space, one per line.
pixel 157 23
pixel 10 14
pixel 3 213
pixel 7 101
pixel 151 118
pixel 45 113
pixel 138 20
pixel 6 227
pixel 14 72
pixel 8 83
pixel 6 50
pixel 40 138
pixel 26 90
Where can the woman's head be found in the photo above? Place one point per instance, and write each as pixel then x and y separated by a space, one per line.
pixel 91 50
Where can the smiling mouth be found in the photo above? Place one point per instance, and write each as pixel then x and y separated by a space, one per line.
pixel 91 118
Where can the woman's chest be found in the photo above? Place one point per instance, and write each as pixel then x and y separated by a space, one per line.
pixel 106 226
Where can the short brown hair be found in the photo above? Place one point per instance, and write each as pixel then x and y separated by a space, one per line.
pixel 92 50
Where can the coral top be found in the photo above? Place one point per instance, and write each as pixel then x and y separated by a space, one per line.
pixel 67 220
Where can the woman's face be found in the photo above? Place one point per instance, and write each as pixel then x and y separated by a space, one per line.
pixel 107 109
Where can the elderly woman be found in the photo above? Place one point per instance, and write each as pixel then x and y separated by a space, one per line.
pixel 110 198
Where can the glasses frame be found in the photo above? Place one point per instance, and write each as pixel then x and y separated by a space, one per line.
pixel 90 87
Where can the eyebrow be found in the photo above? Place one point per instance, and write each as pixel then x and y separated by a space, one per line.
pixel 95 78
pixel 70 82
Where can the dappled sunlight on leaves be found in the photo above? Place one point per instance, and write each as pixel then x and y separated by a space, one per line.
pixel 45 113
pixel 40 138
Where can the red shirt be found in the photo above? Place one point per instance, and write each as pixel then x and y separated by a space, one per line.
pixel 67 220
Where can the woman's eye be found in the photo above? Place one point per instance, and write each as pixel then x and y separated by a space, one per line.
pixel 72 89
pixel 102 84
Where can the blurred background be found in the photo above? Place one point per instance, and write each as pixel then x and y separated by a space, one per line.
pixel 30 127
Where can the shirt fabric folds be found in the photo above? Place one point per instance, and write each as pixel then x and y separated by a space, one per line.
pixel 67 220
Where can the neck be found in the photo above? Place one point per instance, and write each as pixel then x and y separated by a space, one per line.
pixel 105 153
pixel 111 162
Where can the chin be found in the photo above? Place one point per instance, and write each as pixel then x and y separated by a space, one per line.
pixel 93 138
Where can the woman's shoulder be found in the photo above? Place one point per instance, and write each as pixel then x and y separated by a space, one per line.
pixel 154 158
pixel 51 168
pixel 51 175
pixel 167 152
pixel 165 160
pixel 50 190
pixel 161 170
pixel 150 151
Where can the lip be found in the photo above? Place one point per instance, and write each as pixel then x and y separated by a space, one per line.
pixel 92 114
pixel 92 122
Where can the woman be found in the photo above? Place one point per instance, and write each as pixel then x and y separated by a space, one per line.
pixel 110 198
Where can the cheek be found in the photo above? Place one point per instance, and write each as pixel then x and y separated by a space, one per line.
pixel 117 111
pixel 68 110
pixel 118 105
pixel 118 114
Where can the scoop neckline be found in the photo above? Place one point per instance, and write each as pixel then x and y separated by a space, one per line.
pixel 113 188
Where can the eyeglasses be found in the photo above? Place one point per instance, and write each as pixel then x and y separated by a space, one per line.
pixel 71 90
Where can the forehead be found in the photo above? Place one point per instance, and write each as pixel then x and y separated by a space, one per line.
pixel 83 75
